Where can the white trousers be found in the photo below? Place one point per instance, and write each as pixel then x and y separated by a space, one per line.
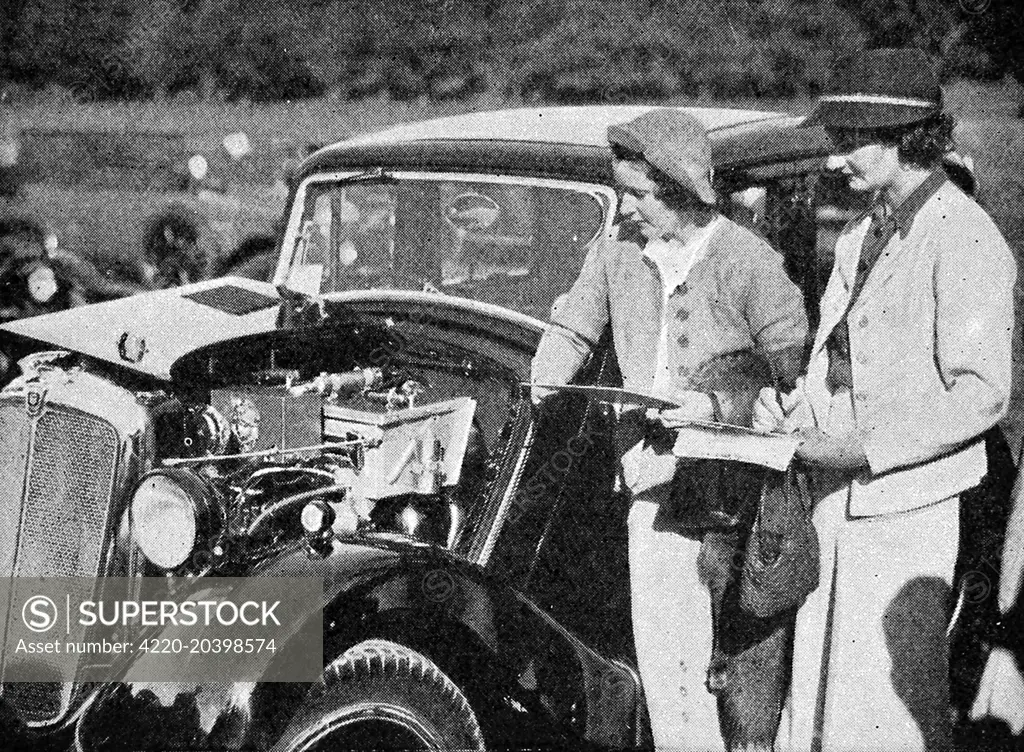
pixel 672 630
pixel 870 657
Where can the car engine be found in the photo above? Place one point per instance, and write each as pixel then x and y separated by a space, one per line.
pixel 337 454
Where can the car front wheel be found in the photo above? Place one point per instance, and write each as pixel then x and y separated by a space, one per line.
pixel 380 695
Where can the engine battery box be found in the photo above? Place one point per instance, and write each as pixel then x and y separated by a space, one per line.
pixel 281 420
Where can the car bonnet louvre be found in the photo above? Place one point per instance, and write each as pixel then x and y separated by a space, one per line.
pixel 232 299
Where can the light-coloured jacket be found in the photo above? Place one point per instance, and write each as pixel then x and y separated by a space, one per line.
pixel 930 345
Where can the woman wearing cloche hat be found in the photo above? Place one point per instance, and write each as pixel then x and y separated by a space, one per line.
pixel 910 366
pixel 702 312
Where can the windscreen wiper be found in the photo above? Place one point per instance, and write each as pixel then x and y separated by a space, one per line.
pixel 374 174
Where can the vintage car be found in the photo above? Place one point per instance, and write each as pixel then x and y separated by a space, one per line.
pixel 92 216
pixel 362 420
pixel 37 275
pixel 157 208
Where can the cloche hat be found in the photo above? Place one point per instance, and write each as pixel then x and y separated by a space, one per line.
pixel 673 141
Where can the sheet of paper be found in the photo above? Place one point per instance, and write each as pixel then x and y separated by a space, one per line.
pixel 700 439
pixel 720 441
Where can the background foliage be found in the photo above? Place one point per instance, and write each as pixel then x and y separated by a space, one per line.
pixel 567 50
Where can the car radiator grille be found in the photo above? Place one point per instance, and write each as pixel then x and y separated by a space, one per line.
pixel 56 480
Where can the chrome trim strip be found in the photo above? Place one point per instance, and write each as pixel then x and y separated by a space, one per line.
pixel 506 500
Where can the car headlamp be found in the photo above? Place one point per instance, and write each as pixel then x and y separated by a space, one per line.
pixel 42 284
pixel 317 517
pixel 318 521
pixel 171 510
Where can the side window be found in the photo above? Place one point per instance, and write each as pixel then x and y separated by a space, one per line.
pixel 801 217
pixel 794 231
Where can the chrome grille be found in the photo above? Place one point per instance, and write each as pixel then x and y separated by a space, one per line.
pixel 56 481
pixel 68 496
pixel 14 439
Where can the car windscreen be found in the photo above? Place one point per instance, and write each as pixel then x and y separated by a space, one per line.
pixel 515 242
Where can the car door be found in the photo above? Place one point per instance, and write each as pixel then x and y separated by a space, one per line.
pixel 563 546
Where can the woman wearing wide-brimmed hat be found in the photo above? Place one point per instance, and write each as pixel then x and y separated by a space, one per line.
pixel 910 366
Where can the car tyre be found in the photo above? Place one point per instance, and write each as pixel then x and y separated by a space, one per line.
pixel 381 695
pixel 177 248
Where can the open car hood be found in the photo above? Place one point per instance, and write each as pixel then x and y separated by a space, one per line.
pixel 148 332
pixel 379 325
pixel 151 332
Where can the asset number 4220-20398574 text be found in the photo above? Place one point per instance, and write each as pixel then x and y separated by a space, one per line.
pixel 213 645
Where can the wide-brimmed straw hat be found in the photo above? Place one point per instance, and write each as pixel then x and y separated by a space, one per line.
pixel 885 88
pixel 673 141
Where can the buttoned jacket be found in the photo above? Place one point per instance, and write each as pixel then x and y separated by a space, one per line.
pixel 736 301
pixel 930 348
pixel 736 298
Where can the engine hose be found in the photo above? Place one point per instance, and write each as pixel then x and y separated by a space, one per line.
pixel 268 471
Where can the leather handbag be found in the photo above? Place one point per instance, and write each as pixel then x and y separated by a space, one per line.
pixel 780 565
pixel 716 494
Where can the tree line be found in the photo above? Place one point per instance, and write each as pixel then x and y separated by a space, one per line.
pixel 556 50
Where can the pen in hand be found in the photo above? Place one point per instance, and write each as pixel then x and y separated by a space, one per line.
pixel 777 384
pixel 770 410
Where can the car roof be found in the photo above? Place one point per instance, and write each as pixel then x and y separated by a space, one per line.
pixel 563 142
pixel 582 125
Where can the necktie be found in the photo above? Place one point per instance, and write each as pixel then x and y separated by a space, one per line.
pixel 879 234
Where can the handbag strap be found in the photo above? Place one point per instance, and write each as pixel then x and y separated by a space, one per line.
pixel 769 477
pixel 799 482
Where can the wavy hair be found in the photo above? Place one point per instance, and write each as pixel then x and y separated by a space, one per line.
pixel 923 143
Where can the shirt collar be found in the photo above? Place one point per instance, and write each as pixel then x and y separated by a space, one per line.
pixel 674 259
pixel 902 217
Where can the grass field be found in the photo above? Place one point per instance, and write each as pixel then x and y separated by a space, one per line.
pixel 312 121
pixel 989 131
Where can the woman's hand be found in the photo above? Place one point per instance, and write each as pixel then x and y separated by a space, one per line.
pixel 774 411
pixel 1001 691
pixel 538 394
pixel 842 452
pixel 692 406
